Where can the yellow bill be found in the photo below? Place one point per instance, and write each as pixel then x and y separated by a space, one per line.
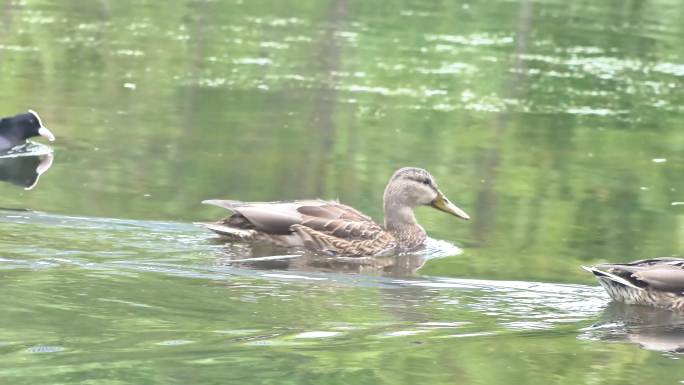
pixel 443 204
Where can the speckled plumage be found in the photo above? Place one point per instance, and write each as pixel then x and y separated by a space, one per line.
pixel 334 228
pixel 657 282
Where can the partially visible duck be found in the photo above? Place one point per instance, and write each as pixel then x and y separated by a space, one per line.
pixel 335 229
pixel 16 129
pixel 657 282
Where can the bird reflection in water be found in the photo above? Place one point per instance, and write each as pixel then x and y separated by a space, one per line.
pixel 650 328
pixel 267 257
pixel 24 170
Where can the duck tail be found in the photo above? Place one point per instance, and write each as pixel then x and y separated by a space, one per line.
pixel 231 233
pixel 226 204
pixel 600 274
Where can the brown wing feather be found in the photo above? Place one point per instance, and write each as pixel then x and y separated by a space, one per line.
pixel 338 220
pixel 333 210
pixel 376 243
pixel 338 229
pixel 267 217
pixel 325 226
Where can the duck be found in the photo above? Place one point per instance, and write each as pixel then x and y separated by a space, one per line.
pixel 656 282
pixel 14 130
pixel 335 229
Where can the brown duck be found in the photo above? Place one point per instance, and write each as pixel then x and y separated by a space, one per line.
pixel 336 229
pixel 655 282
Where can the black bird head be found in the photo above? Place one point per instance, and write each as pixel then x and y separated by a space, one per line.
pixel 32 125
pixel 23 126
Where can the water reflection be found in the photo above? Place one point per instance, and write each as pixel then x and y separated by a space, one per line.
pixel 650 328
pixel 263 256
pixel 392 266
pixel 267 257
pixel 24 170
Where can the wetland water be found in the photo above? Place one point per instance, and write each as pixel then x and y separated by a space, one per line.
pixel 558 126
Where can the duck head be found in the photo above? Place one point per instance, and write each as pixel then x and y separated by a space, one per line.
pixel 411 187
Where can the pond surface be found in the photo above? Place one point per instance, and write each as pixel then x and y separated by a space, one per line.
pixel 556 125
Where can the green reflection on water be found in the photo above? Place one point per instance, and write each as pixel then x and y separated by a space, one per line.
pixel 556 126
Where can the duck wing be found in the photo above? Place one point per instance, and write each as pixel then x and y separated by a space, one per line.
pixel 266 217
pixel 326 226
pixel 671 280
pixel 278 217
pixel 664 274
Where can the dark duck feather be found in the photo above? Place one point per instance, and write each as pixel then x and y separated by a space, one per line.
pixel 334 228
pixel 655 282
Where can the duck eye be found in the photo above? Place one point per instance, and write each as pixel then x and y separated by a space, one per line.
pixel 426 181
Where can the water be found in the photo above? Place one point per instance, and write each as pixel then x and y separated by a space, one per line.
pixel 556 126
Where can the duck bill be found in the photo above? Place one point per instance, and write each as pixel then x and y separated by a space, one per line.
pixel 443 204
pixel 44 132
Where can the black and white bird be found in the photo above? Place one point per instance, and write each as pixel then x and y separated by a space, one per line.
pixel 16 129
